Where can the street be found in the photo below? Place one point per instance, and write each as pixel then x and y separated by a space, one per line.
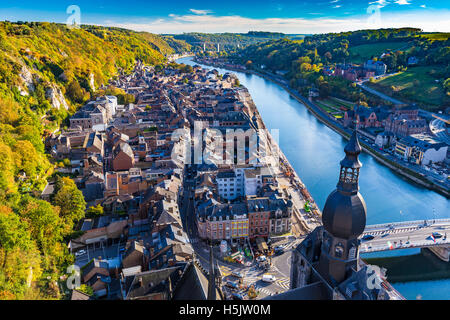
pixel 252 275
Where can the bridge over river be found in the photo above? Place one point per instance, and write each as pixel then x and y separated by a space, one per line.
pixel 430 234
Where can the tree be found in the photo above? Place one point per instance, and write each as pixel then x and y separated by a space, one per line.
pixel 95 211
pixel 7 169
pixel 447 85
pixel 44 223
pixel 70 200
pixel 19 257
pixel 27 158
pixel 86 289
pixel 75 92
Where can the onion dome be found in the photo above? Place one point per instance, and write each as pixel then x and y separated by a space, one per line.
pixel 344 213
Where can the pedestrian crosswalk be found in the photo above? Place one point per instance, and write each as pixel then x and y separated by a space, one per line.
pixel 266 291
pixel 391 231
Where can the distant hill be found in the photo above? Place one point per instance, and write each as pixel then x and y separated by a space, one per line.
pixel 227 41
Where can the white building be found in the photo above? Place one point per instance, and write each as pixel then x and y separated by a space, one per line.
pixel 422 149
pixel 229 184
pixel 239 182
pixel 253 181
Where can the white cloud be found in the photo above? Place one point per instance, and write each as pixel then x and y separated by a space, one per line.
pixel 381 3
pixel 338 6
pixel 215 24
pixel 423 6
pixel 201 12
pixel 334 1
pixel 402 2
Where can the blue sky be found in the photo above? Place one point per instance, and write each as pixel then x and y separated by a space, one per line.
pixel 287 16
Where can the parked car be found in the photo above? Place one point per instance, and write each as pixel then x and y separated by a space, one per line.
pixel 268 278
pixel 437 235
pixel 261 258
pixel 237 296
pixel 237 274
pixel 367 237
pixel 232 285
pixel 80 253
pixel 278 250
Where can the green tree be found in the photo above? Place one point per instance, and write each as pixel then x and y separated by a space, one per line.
pixel 95 211
pixel 70 200
pixel 86 289
pixel 75 92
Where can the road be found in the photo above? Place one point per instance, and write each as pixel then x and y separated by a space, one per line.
pixel 377 93
pixel 405 237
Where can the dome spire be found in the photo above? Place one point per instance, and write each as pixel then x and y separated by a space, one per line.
pixel 344 219
pixel 350 165
pixel 344 213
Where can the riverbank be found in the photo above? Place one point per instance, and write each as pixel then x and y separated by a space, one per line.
pixel 324 117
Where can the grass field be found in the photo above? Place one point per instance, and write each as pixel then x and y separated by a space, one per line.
pixel 414 85
pixel 361 53
pixel 436 36
pixel 331 106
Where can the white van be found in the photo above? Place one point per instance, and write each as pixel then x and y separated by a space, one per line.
pixel 268 278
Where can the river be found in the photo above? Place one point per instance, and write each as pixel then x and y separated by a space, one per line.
pixel 314 150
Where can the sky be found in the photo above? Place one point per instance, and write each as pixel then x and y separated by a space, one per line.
pixel 287 16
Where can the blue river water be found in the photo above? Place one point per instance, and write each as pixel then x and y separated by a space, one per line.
pixel 314 150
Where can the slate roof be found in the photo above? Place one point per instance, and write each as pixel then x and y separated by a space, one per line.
pixel 193 285
pixel 423 142
pixel 125 147
pixel 152 282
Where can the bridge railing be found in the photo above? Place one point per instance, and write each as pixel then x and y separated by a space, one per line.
pixel 406 223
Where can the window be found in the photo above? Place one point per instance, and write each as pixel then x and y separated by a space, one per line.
pixel 339 250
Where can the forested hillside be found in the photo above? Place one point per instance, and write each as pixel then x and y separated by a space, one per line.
pixel 46 72
pixel 303 60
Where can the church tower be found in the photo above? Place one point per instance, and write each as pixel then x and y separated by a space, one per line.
pixel 344 219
